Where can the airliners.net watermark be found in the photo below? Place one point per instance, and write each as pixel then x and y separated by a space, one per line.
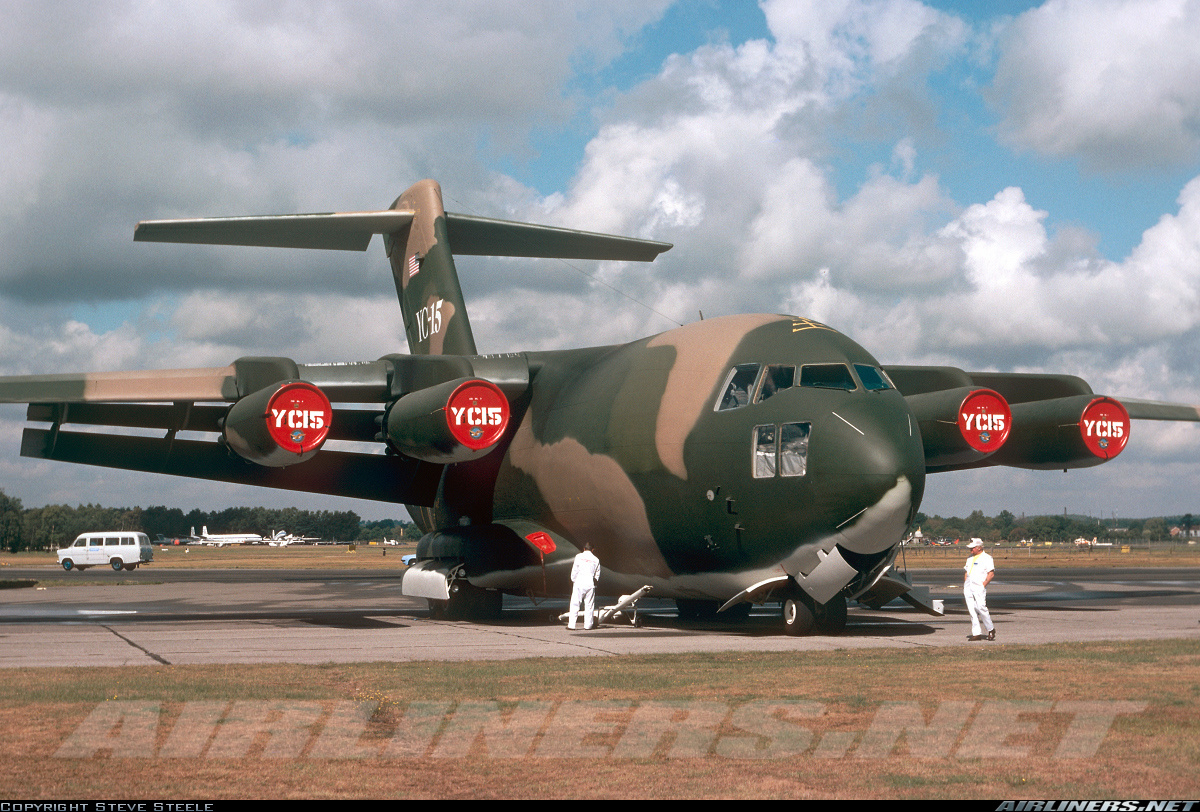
pixel 762 729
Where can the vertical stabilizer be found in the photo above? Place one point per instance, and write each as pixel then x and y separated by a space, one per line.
pixel 435 317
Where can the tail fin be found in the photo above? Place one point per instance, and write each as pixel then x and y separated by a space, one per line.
pixel 435 316
pixel 420 237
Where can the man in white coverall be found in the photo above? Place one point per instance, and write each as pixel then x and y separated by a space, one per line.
pixel 979 571
pixel 585 571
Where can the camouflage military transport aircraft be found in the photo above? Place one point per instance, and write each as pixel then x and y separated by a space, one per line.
pixel 736 460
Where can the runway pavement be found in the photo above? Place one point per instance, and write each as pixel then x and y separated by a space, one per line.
pixel 256 616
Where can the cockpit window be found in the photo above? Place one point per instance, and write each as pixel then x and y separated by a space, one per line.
pixel 781 449
pixel 738 387
pixel 827 376
pixel 775 379
pixel 873 379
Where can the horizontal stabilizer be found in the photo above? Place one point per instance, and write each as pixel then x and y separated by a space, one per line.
pixel 346 231
pixel 337 473
pixel 480 236
pixel 352 231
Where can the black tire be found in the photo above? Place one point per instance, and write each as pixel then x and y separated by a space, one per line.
pixel 68 564
pixel 798 618
pixel 116 564
pixel 831 617
pixel 696 609
pixel 130 567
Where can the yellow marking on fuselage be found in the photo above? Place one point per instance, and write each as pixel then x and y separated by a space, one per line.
pixel 808 324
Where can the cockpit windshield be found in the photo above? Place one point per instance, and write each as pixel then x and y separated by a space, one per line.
pixel 827 376
pixel 738 387
pixel 873 379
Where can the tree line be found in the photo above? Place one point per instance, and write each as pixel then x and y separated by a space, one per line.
pixel 1007 527
pixel 52 526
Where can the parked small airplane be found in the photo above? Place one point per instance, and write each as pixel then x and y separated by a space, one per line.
pixel 281 538
pixel 734 460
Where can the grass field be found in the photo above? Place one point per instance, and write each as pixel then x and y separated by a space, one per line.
pixel 1103 721
pixel 368 556
pixel 980 723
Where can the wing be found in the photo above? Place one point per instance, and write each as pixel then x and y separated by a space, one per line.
pixel 265 421
pixel 977 419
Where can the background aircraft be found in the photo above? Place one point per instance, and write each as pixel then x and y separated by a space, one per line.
pixel 282 538
pixel 730 461
pixel 224 539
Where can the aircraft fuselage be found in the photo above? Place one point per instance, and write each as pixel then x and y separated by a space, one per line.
pixel 701 461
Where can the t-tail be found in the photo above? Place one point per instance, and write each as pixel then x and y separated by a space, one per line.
pixel 420 238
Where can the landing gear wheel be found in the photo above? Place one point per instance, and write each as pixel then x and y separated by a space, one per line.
pixel 468 602
pixel 738 612
pixel 831 617
pixel 798 618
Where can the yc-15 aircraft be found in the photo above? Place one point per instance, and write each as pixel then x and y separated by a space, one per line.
pixel 732 461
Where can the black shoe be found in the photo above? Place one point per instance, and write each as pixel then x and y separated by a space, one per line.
pixel 973 637
pixel 991 635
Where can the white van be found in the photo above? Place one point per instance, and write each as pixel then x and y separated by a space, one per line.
pixel 123 550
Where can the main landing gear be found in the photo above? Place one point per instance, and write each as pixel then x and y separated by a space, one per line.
pixel 802 615
pixel 467 602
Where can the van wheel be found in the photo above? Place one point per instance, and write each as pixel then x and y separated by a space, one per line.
pixel 130 567
pixel 68 564
pixel 116 564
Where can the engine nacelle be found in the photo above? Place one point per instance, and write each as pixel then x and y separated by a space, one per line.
pixel 961 426
pixel 456 421
pixel 280 425
pixel 1071 432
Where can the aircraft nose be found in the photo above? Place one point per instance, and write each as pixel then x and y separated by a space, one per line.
pixel 877 465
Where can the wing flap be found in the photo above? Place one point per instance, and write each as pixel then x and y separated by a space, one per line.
pixel 1156 410
pixel 337 473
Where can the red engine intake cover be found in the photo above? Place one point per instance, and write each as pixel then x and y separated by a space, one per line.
pixel 477 414
pixel 984 420
pixel 1104 427
pixel 298 417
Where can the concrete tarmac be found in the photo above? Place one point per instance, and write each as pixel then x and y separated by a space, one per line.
pixel 273 616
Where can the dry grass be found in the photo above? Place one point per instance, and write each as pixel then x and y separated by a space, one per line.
pixel 377 557
pixel 1151 753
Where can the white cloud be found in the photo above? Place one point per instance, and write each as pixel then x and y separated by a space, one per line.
pixel 1116 82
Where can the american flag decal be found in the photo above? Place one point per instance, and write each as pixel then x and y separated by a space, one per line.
pixel 414 265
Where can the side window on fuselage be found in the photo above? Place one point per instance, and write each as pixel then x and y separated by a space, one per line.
pixel 738 386
pixel 781 450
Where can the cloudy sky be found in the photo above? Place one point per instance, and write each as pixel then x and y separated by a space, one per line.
pixel 1000 186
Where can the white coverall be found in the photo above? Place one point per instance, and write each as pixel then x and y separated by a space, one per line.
pixel 975 592
pixel 585 571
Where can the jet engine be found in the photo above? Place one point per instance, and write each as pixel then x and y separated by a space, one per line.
pixel 961 426
pixel 455 421
pixel 280 425
pixel 1071 432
